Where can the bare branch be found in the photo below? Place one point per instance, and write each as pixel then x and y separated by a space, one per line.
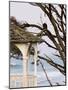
pixel 53 64
pixel 45 73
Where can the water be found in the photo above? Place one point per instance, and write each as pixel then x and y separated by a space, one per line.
pixel 54 75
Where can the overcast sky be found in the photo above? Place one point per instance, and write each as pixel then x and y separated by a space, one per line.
pixel 29 13
pixel 25 12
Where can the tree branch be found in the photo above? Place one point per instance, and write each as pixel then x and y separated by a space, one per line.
pixel 53 64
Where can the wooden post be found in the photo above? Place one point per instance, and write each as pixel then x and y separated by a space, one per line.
pixel 35 59
pixel 25 65
pixel 35 65
pixel 24 50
